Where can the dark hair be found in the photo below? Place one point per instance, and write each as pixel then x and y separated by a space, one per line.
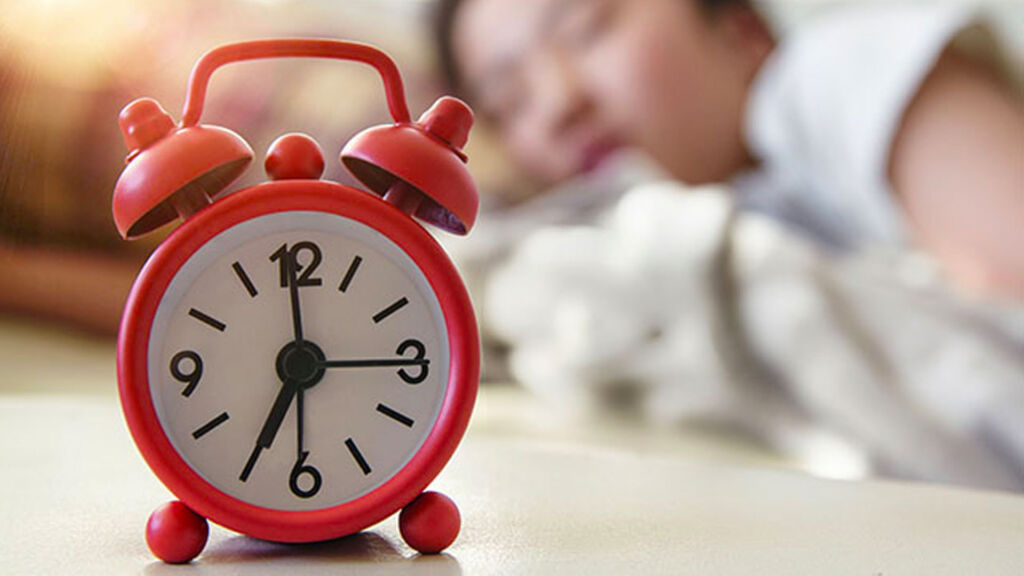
pixel 444 24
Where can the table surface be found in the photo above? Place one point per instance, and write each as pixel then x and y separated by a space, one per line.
pixel 535 499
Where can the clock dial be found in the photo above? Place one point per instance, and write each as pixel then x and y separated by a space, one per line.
pixel 298 360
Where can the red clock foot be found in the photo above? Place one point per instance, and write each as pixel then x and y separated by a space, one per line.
pixel 430 523
pixel 176 534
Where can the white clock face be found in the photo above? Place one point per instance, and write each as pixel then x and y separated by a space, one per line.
pixel 298 388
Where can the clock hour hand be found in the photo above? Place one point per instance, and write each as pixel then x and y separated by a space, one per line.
pixel 277 413
pixel 271 425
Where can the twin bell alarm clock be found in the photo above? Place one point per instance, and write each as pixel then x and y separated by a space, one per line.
pixel 299 359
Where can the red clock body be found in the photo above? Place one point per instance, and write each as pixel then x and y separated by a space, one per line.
pixel 299 359
pixel 285 198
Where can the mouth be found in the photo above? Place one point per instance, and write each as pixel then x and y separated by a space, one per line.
pixel 595 153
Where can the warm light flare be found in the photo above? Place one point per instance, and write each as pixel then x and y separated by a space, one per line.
pixel 72 41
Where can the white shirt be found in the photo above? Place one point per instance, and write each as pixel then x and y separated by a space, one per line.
pixel 823 113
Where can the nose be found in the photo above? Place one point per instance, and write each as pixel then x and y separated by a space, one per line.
pixel 563 102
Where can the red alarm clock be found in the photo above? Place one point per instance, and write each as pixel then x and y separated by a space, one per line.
pixel 299 359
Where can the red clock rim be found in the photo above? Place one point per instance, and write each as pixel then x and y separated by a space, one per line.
pixel 296 525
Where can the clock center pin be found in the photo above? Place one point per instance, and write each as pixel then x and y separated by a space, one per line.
pixel 301 362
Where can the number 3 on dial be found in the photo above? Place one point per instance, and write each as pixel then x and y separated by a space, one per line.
pixel 417 360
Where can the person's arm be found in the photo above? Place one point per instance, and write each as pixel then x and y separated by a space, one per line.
pixel 957 168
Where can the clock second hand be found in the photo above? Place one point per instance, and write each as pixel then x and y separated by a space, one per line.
pixel 299 419
pixel 293 293
pixel 289 389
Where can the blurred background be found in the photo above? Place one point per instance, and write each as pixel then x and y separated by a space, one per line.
pixel 67 67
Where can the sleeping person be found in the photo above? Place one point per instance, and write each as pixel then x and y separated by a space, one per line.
pixel 880 125
pixel 875 134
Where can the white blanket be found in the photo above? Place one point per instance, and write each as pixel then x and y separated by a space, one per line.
pixel 673 303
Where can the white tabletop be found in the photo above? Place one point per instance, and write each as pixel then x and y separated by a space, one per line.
pixel 535 499
pixel 76 496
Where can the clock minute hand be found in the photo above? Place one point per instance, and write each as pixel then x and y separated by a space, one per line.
pixel 418 359
pixel 401 362
pixel 374 362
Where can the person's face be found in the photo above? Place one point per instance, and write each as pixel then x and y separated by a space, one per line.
pixel 570 81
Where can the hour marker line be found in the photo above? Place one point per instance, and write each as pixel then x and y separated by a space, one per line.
pixel 351 273
pixel 206 428
pixel 358 456
pixel 206 319
pixel 380 316
pixel 395 415
pixel 246 281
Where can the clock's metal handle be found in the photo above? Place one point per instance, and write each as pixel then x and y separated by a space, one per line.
pixel 294 48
